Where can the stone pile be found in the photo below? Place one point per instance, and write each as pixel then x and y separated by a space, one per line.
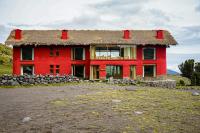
pixel 10 80
pixel 160 83
pixel 122 81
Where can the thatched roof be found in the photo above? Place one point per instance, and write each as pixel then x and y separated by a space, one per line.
pixel 89 37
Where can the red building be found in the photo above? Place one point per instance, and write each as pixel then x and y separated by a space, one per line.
pixel 91 54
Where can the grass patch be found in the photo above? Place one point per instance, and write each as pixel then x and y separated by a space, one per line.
pixel 60 102
pixel 164 110
pixel 5 69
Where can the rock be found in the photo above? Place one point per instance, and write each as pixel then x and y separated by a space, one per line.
pixel 138 112
pixel 195 93
pixel 116 101
pixel 26 119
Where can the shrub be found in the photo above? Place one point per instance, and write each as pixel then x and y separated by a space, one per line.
pixel 182 83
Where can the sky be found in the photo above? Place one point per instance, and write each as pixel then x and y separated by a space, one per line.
pixel 180 17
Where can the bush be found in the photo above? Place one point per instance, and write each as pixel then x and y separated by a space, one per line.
pixel 196 78
pixel 182 83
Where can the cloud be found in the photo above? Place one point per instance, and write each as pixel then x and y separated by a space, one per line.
pixel 198 7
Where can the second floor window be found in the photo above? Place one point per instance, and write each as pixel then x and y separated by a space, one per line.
pixel 27 53
pixel 149 53
pixel 78 53
pixel 54 52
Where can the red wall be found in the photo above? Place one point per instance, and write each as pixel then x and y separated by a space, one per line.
pixel 42 61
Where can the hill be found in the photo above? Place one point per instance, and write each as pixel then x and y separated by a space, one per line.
pixel 172 72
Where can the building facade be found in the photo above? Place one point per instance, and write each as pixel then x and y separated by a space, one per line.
pixel 91 54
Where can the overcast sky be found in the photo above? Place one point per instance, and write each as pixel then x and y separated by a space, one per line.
pixel 180 17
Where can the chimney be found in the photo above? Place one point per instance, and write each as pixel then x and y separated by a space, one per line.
pixel 126 34
pixel 159 34
pixel 64 35
pixel 18 34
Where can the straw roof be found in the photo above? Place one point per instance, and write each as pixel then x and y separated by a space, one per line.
pixel 89 37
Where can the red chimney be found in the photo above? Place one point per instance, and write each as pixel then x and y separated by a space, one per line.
pixel 159 34
pixel 126 34
pixel 18 34
pixel 64 35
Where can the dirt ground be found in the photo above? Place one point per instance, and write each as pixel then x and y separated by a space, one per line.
pixel 98 107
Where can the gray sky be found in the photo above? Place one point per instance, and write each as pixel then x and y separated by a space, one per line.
pixel 180 17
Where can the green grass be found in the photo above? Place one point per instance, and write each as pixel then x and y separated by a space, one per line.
pixel 178 78
pixel 164 110
pixel 5 69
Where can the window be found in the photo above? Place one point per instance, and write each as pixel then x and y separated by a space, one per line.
pixel 149 71
pixel 27 70
pixel 54 69
pixel 27 53
pixel 114 71
pixel 123 52
pixel 78 71
pixel 149 54
pixel 54 51
pixel 132 72
pixel 78 53
pixel 51 69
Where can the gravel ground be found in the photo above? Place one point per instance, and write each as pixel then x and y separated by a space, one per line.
pixel 97 107
pixel 36 103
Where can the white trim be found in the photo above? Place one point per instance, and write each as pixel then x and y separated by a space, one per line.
pixel 154 58
pixel 83 53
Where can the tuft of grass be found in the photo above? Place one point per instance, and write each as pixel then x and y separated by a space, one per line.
pixel 59 102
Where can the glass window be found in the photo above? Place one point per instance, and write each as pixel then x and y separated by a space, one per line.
pixel 28 70
pixel 149 53
pixel 149 70
pixel 27 53
pixel 114 71
pixel 78 54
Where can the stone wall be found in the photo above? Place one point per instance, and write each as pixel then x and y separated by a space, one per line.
pixel 9 80
pixel 160 83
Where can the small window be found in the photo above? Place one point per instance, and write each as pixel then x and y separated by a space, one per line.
pixel 57 71
pixel 51 69
pixel 27 70
pixel 27 53
pixel 78 54
pixel 149 53
pixel 149 71
pixel 54 69
pixel 51 51
pixel 54 52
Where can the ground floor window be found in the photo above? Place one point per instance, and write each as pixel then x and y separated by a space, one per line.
pixel 114 71
pixel 54 69
pixel 132 72
pixel 27 70
pixel 94 72
pixel 149 71
pixel 78 71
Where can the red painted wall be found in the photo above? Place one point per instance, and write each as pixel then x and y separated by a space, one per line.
pixel 43 60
